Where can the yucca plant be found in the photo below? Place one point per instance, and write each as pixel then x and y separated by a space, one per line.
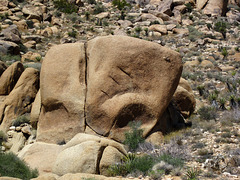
pixel 222 102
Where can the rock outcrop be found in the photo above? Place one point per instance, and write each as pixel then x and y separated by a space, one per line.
pixel 101 86
pixel 20 99
pixel 10 77
pixel 213 7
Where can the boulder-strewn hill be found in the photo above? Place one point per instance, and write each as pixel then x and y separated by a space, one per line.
pixel 74 73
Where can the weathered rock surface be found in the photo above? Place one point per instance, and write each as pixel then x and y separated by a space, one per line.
pixel 88 154
pixel 20 99
pixel 118 87
pixel 7 47
pixel 215 7
pixel 40 155
pixel 3 67
pixel 183 98
pixel 128 94
pixel 35 111
pixel 62 93
pixel 10 77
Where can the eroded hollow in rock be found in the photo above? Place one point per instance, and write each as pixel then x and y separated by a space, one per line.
pixel 132 112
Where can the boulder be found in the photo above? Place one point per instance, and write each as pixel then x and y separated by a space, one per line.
pixel 19 101
pixel 3 67
pixel 10 77
pixel 215 7
pixel 62 93
pixel 86 154
pixel 166 7
pixel 31 56
pixel 105 85
pixel 158 28
pixel 35 111
pixel 183 98
pixel 40 155
pixel 11 34
pixel 7 47
pixel 17 141
pixel 4 3
pixel 33 12
pixel 119 89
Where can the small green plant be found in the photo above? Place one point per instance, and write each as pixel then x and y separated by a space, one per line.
pixel 192 173
pixel 120 4
pixel 73 33
pixel 194 34
pixel 99 7
pixel 87 15
pixel 221 27
pixel 189 7
pixel 65 6
pixel 146 31
pixel 209 26
pixel 10 57
pixel 222 102
pixel 134 137
pixel 20 120
pixel 224 52
pixel 39 58
pixel 12 166
pixel 207 113
pixel 3 138
pixel 200 89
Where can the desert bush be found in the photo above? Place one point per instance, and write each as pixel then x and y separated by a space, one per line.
pixel 120 4
pixel 3 138
pixel 72 33
pixel 134 137
pixel 207 113
pixel 20 120
pixel 9 57
pixel 198 145
pixel 99 7
pixel 194 34
pixel 221 27
pixel 65 7
pixel 91 1
pixel 12 166
pixel 192 173
pixel 224 52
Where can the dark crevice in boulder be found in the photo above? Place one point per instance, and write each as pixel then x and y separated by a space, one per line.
pixel 101 150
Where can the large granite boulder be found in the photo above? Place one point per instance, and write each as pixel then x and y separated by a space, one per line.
pixel 19 101
pixel 100 86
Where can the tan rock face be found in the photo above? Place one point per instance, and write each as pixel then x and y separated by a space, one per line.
pixel 184 99
pixel 215 7
pixel 119 89
pixel 35 111
pixel 127 79
pixel 40 155
pixel 20 99
pixel 86 154
pixel 10 77
pixel 62 93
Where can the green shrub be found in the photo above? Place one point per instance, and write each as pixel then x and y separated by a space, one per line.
pixel 192 174
pixel 142 164
pixel 3 138
pixel 99 7
pixel 72 33
pixel 175 161
pixel 194 34
pixel 10 58
pixel 20 120
pixel 207 113
pixel 134 137
pixel 221 27
pixel 65 7
pixel 224 52
pixel 189 7
pixel 120 4
pixel 12 166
